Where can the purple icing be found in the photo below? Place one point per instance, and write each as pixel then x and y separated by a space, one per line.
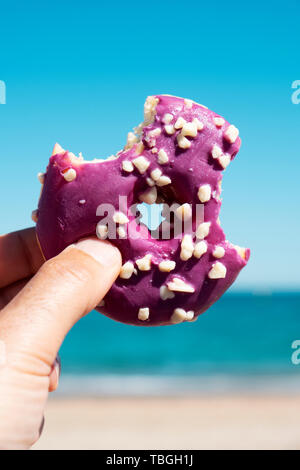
pixel 67 212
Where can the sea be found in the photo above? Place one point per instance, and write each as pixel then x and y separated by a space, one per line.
pixel 247 342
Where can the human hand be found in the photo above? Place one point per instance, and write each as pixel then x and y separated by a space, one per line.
pixel 40 302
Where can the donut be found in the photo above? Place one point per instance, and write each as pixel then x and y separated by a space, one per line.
pixel 175 158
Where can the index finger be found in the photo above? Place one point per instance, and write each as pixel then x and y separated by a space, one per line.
pixel 20 256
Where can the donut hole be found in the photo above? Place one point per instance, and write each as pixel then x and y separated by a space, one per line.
pixel 151 215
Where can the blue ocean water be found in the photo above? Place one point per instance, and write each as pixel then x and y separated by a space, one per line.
pixel 242 334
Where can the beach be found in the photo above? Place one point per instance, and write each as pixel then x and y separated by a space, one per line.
pixel 226 382
pixel 206 422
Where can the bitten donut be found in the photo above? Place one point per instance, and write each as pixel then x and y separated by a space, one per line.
pixel 175 157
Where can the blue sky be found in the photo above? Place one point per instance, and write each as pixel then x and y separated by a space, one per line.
pixel 79 72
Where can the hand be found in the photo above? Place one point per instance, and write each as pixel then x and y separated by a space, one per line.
pixel 40 303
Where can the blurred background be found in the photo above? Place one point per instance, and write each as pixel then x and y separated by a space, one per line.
pixel 78 74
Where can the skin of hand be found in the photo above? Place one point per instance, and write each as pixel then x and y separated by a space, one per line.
pixel 40 302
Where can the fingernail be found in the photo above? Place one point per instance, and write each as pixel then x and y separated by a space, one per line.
pixel 102 251
pixel 57 366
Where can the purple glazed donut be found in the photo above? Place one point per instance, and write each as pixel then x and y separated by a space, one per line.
pixel 175 157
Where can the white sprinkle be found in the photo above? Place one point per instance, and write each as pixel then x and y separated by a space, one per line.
pixel 127 270
pixel 165 293
pixel 70 175
pixel 139 148
pixel 199 124
pixel 167 118
pixel 154 150
pixel 200 249
pixel 57 150
pixel 203 230
pixel 187 247
pixel 101 231
pixel 82 201
pixel 231 134
pixel 34 216
pixel 127 166
pixel 218 252
pixel 189 129
pixel 166 266
pixel 218 271
pixel 184 212
pixel 162 157
pixel 180 315
pixel 216 151
pixel 204 193
pixel 190 315
pixel 188 103
pixel 151 137
pixel 178 285
pixel 219 122
pixel 150 182
pixel 143 314
pixel 121 232
pixel 155 132
pixel 150 109
pixel 41 177
pixel 169 129
pixel 240 250
pixel 163 181
pixel 149 196
pixel 141 163
pixel 120 218
pixel 156 174
pixel 180 123
pixel 131 140
pixel 224 160
pixel 183 142
pixel 144 264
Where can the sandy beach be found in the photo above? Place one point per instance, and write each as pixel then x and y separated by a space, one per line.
pixel 228 422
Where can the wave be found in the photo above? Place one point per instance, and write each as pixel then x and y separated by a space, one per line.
pixel 113 385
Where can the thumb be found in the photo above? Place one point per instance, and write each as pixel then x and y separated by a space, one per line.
pixel 67 287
